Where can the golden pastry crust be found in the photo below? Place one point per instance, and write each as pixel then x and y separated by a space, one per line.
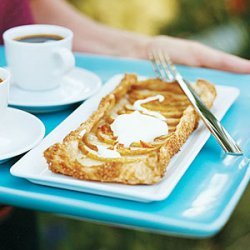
pixel 141 162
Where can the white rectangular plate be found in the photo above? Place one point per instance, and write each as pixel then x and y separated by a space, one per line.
pixel 33 166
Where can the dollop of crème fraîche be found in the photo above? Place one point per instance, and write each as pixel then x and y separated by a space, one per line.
pixel 138 126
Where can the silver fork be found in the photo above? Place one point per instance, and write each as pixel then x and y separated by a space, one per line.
pixel 167 71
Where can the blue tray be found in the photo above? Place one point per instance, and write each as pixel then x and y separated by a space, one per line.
pixel 201 203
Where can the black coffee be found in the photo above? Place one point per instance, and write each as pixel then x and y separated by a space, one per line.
pixel 39 38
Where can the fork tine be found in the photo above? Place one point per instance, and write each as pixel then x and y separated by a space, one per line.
pixel 154 65
pixel 166 66
pixel 159 64
pixel 170 64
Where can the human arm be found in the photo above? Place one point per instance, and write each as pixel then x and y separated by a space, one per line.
pixel 93 37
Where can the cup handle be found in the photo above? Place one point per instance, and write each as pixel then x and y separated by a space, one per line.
pixel 65 60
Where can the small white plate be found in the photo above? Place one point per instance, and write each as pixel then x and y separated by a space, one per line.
pixel 76 86
pixel 33 166
pixel 19 132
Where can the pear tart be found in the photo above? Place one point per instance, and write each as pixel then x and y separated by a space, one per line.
pixel 103 148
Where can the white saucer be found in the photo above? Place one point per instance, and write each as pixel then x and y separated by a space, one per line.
pixel 76 86
pixel 19 132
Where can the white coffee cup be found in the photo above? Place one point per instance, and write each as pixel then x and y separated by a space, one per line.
pixel 4 90
pixel 38 66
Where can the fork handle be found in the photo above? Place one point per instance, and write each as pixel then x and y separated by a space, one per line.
pixel 219 132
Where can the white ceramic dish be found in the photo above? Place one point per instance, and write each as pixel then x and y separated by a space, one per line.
pixel 76 86
pixel 19 132
pixel 34 167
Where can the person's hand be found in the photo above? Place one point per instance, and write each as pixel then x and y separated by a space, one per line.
pixel 192 53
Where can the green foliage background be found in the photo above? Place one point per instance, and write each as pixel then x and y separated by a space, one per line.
pixel 145 16
pixel 196 19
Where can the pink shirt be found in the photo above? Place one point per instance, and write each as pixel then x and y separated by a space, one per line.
pixel 14 13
